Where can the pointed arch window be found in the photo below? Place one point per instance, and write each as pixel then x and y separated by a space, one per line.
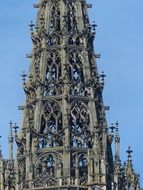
pixel 53 70
pixel 80 124
pixel 79 168
pixel 55 17
pixel 45 171
pixel 82 163
pixel 53 75
pixel 72 19
pixel 75 67
pixel 51 129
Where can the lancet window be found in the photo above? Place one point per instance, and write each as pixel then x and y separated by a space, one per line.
pixel 45 171
pixel 22 170
pixel 75 67
pixel 53 75
pixel 72 20
pixel 53 71
pixel 80 124
pixel 80 167
pixel 51 129
pixel 55 17
pixel 75 72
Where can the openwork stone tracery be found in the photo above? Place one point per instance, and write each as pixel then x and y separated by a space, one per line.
pixel 64 142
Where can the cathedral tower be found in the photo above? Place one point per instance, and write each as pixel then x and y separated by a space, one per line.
pixel 64 142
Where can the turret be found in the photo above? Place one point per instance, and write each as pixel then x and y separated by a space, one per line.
pixel 117 143
pixel 133 179
pixel 11 141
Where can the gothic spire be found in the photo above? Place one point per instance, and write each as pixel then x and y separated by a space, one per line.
pixel 64 141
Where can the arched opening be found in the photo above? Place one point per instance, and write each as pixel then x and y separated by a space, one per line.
pixel 79 124
pixel 55 18
pixel 45 171
pixel 82 164
pixel 51 126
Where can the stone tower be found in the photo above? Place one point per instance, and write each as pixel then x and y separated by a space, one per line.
pixel 64 142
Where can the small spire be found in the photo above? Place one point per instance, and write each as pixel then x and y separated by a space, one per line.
pixel 117 136
pixel 102 76
pixel 15 127
pixel 94 26
pixel 89 6
pixel 117 142
pixel 129 153
pixel 117 124
pixel 11 132
pixel 11 139
pixel 97 56
pixel 24 75
pixel 130 170
pixel 112 129
pixel 107 108
pixel 31 25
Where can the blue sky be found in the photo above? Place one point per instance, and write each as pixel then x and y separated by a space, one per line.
pixel 119 41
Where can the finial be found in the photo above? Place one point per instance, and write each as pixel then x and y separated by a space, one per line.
pixel 10 124
pixel 112 129
pixel 10 139
pixel 15 127
pixel 36 5
pixel 102 76
pixel 125 164
pixel 89 6
pixel 10 131
pixel 97 56
pixel 30 77
pixel 117 136
pixel 20 108
pixel 107 108
pixel 28 56
pixel 94 26
pixel 129 152
pixel 31 25
pixel 117 130
pixel 117 124
pixel 24 75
